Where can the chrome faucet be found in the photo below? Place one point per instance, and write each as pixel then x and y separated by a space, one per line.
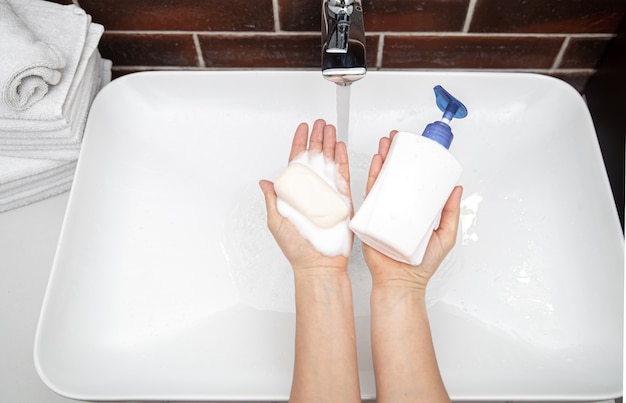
pixel 343 41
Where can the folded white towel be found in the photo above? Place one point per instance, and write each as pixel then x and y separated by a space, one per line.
pixel 41 144
pixel 70 30
pixel 18 174
pixel 57 121
pixel 61 129
pixel 64 130
pixel 61 185
pixel 23 181
pixel 28 65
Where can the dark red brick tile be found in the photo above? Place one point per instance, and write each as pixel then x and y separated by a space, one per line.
pixel 301 15
pixel 469 52
pixel 149 49
pixel 388 15
pixel 185 15
pixel 548 16
pixel 422 16
pixel 260 51
pixel 371 49
pixel 265 51
pixel 583 52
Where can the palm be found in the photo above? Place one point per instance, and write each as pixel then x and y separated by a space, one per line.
pixel 298 250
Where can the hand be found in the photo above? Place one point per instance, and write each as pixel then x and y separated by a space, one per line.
pixel 389 272
pixel 302 256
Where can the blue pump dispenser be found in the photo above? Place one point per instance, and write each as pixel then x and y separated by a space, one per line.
pixel 452 108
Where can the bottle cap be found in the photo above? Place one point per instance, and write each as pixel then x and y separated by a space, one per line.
pixel 452 108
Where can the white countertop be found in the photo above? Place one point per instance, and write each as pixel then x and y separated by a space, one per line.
pixel 28 239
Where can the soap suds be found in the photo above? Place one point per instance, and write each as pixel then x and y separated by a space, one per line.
pixel 305 191
pixel 333 241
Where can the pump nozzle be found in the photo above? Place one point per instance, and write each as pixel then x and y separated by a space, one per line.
pixel 451 108
pixel 449 105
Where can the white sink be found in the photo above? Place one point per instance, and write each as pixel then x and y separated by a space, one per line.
pixel 167 285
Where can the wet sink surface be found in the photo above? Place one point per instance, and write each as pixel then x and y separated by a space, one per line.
pixel 166 284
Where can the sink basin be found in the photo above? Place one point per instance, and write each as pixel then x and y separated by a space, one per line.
pixel 167 285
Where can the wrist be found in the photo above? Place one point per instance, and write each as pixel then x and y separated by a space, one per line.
pixel 321 267
pixel 389 291
pixel 408 281
pixel 322 287
pixel 321 273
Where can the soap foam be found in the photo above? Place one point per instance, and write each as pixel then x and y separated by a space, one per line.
pixel 333 241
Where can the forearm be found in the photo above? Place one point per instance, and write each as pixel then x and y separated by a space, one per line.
pixel 325 360
pixel 404 357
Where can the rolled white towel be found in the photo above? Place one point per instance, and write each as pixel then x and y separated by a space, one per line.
pixel 59 146
pixel 28 65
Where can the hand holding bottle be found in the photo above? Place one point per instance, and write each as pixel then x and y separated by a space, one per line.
pixel 405 364
pixel 401 211
pixel 387 271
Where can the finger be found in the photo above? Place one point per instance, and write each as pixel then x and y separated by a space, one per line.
pixel 375 167
pixel 270 200
pixel 316 139
pixel 299 142
pixel 450 216
pixel 329 142
pixel 383 147
pixel 341 158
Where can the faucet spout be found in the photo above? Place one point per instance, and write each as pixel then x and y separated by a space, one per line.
pixel 343 41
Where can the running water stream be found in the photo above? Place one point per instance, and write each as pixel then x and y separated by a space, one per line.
pixel 343 113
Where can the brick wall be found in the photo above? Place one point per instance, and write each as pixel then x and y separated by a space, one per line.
pixel 563 38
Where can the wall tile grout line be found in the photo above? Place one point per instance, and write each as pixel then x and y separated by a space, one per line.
pixel 381 48
pixel 468 17
pixel 244 34
pixel 276 13
pixel 559 57
pixel 548 71
pixel 234 34
pixel 196 43
pixel 494 34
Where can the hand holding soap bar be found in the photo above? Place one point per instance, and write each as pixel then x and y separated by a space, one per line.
pixel 311 196
pixel 401 210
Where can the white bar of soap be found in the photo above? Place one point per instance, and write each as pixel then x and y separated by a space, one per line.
pixel 304 190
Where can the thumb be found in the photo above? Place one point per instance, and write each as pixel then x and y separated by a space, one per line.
pixel 267 188
pixel 450 216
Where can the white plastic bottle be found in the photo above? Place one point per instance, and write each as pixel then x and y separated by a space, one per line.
pixel 401 210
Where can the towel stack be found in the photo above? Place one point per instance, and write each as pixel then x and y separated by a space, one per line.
pixel 50 72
